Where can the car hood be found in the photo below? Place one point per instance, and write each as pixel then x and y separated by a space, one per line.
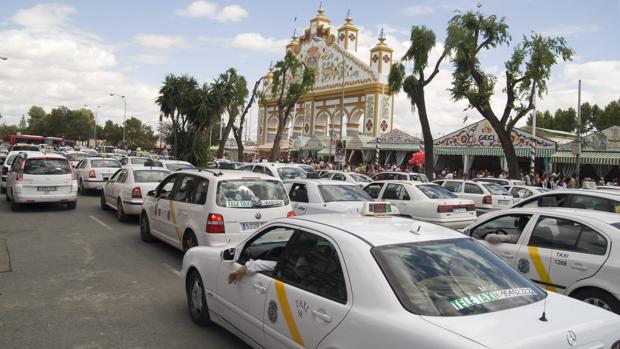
pixel 352 206
pixel 520 327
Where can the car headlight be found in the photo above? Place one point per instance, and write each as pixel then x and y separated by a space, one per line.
pixel 616 345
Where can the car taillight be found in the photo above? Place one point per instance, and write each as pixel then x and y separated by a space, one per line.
pixel 487 200
pixel 215 224
pixel 20 173
pixel 290 214
pixel 136 193
pixel 444 208
pixel 5 171
pixel 471 207
pixel 92 174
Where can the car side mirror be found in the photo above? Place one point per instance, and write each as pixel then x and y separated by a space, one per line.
pixel 151 193
pixel 106 179
pixel 228 254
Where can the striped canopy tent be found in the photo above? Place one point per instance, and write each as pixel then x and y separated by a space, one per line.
pixel 394 146
pixel 609 158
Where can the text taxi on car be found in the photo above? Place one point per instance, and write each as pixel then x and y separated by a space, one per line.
pixel 192 207
pixel 569 251
pixel 337 281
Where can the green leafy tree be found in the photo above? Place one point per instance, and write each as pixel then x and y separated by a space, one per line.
pixel 291 80
pixel 23 125
pixel 230 91
pixel 527 72
pixel 422 42
pixel 6 130
pixel 112 133
pixel 139 135
pixel 36 115
pixel 609 117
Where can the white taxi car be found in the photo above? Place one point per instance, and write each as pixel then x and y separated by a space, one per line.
pixel 487 196
pixel 91 173
pixel 6 165
pixel 315 196
pixel 351 177
pixel 570 251
pixel 348 281
pixel 427 202
pixel 41 178
pixel 276 169
pixel 173 165
pixel 125 190
pixel 202 207
pixel 134 161
pixel 520 192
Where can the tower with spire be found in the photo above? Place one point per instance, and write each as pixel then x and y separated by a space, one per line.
pixel 381 58
pixel 348 34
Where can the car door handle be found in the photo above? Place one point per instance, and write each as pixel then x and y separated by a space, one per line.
pixel 259 288
pixel 507 255
pixel 320 314
pixel 579 266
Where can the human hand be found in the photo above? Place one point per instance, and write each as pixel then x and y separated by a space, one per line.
pixel 236 275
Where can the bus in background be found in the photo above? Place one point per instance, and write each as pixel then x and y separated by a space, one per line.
pixel 58 142
pixel 23 139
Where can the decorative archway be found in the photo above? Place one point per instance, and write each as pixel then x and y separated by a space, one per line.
pixel 354 122
pixel 298 125
pixel 321 124
pixel 272 128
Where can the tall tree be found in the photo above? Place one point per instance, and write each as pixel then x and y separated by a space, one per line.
pixel 609 117
pixel 23 125
pixel 233 88
pixel 422 41
pixel 238 131
pixel 291 80
pixel 527 72
pixel 36 115
pixel 176 100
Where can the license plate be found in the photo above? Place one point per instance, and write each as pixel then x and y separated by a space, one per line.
pixel 459 210
pixel 250 226
pixel 46 188
pixel 504 202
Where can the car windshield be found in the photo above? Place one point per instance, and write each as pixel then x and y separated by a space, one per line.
pixel 139 161
pixel 46 167
pixel 291 173
pixel 76 156
pixel 419 177
pixel 178 166
pixel 361 178
pixel 104 163
pixel 343 193
pixel 453 278
pixel 496 189
pixel 435 191
pixel 251 193
pixel 149 176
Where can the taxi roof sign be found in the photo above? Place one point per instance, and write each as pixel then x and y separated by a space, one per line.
pixel 377 209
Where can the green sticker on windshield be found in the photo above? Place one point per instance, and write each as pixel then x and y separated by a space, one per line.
pixel 240 204
pixel 491 296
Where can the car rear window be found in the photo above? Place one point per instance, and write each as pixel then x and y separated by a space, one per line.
pixel 361 178
pixel 496 189
pixel 104 163
pixel 435 192
pixel 332 193
pixel 251 193
pixel 76 156
pixel 139 161
pixel 175 166
pixel 419 177
pixel 291 173
pixel 453 278
pixel 149 176
pixel 46 167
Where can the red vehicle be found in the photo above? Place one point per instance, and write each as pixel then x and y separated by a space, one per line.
pixel 59 142
pixel 14 139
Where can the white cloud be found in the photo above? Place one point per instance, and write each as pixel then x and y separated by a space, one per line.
pixel 572 30
pixel 257 42
pixel 206 9
pixel 161 41
pixel 44 16
pixel 151 58
pixel 66 67
pixel 419 10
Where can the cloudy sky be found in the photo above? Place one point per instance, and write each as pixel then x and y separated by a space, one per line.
pixel 74 53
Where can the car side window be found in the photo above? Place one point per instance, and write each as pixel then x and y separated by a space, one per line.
pixel 380 177
pixel 592 203
pixel 258 169
pixel 198 195
pixel 268 245
pixel 124 161
pixel 311 263
pixel 373 190
pixel 184 187
pixel 567 235
pixel 122 177
pixel 339 177
pixel 511 225
pixel 471 188
pixel 395 192
pixel 554 200
pixel 166 186
pixel 16 164
pixel 115 176
pixel 299 193
pixel 454 187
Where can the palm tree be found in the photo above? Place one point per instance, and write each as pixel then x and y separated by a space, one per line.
pixel 230 91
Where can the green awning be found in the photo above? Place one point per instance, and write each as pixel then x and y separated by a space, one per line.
pixel 491 151
pixel 325 151
pixel 610 158
pixel 398 147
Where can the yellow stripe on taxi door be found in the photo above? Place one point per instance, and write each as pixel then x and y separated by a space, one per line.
pixel 288 315
pixel 540 267
pixel 174 219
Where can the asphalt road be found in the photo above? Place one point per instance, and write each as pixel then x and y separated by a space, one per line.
pixel 81 279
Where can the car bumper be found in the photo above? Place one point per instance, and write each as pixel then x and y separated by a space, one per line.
pixel 93 185
pixel 132 207
pixel 26 199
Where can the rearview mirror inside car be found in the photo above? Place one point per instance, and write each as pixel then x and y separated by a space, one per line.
pixel 228 254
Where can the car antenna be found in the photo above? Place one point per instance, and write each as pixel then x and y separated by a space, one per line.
pixel 543 317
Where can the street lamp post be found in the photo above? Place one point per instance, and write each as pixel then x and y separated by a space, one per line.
pixel 96 117
pixel 124 114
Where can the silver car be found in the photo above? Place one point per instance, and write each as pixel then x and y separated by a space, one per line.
pixel 91 172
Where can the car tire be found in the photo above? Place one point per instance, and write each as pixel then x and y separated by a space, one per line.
pixel 145 228
pixel 104 206
pixel 196 299
pixel 72 205
pixel 599 298
pixel 189 240
pixel 120 212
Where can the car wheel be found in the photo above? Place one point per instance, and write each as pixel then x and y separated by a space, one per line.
pixel 72 205
pixel 599 298
pixel 120 212
pixel 14 205
pixel 196 300
pixel 104 206
pixel 145 229
pixel 189 241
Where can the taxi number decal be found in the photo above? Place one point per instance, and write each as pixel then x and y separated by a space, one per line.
pixel 491 296
pixel 240 204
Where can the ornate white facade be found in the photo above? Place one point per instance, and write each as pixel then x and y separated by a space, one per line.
pixel 368 101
